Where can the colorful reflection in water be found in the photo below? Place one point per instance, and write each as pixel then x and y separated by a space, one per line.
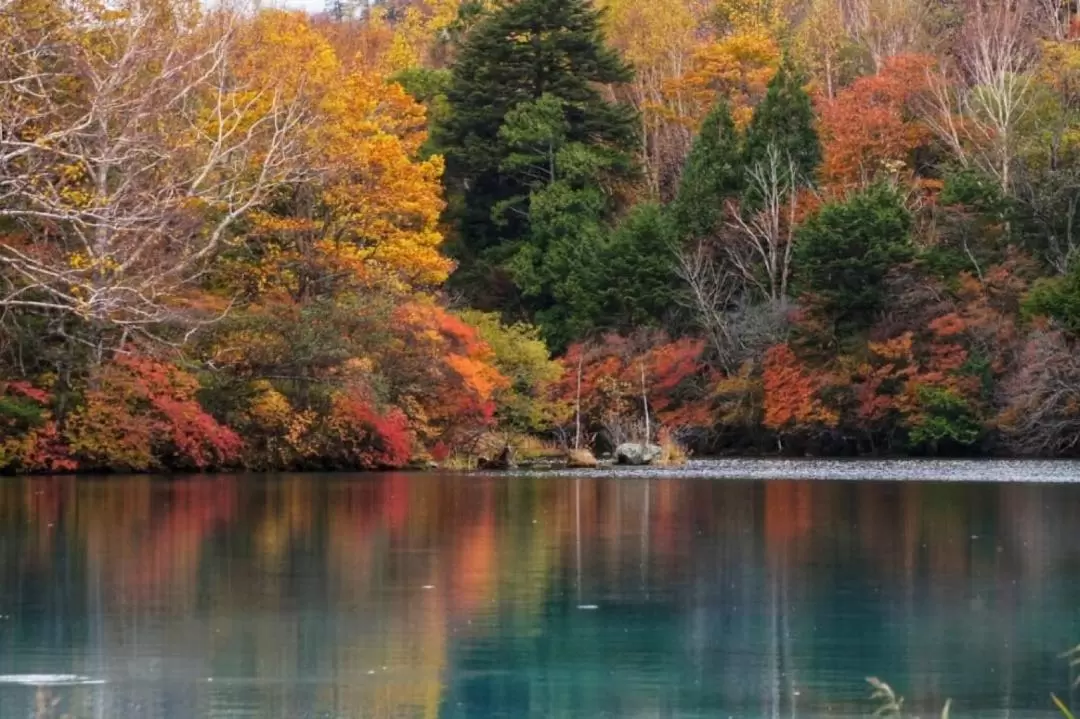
pixel 450 596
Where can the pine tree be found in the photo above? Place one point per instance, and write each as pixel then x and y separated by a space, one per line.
pixel 843 254
pixel 785 119
pixel 522 52
pixel 713 172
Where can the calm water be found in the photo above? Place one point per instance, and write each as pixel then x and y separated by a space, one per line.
pixel 638 595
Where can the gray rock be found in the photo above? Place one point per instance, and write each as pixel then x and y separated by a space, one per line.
pixel 637 454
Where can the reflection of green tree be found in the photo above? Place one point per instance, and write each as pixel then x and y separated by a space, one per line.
pixel 300 587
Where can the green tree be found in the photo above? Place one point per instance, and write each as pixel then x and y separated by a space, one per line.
pixel 843 254
pixel 1057 298
pixel 713 172
pixel 557 268
pixel 784 119
pixel 524 58
pixel 946 421
pixel 527 404
pixel 637 271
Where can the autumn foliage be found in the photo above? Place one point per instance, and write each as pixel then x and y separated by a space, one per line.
pixel 872 127
pixel 609 379
pixel 792 398
pixel 291 241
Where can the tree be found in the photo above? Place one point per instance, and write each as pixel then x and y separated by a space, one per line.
pixel 980 111
pixel 842 255
pixel 525 403
pixel 739 329
pixel 517 54
pixel 1041 416
pixel 785 121
pixel 872 128
pixel 636 274
pixel 887 28
pixel 659 39
pixel 1057 298
pixel 736 68
pixel 792 394
pixel 824 45
pixel 712 174
pixel 760 240
pixel 132 143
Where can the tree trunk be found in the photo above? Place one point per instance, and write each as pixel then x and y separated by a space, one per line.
pixel 577 403
pixel 645 404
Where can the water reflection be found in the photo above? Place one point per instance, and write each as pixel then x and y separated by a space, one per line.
pixel 439 596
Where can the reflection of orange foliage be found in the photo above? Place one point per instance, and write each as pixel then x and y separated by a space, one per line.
pixel 788 511
pixel 154 548
pixel 474 564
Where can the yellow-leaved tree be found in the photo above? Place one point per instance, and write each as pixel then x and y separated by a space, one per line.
pixel 324 264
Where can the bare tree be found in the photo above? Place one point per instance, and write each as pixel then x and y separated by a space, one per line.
pixel 977 110
pixel 760 241
pixel 130 146
pixel 1041 398
pixel 1055 17
pixel 713 290
pixel 886 27
pixel 737 327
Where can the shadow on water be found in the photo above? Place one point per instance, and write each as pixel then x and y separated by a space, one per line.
pixel 621 595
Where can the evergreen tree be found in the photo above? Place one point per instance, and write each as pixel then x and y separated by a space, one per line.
pixel 785 119
pixel 532 55
pixel 843 254
pixel 713 172
pixel 637 275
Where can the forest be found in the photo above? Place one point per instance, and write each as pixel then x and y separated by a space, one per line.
pixel 415 231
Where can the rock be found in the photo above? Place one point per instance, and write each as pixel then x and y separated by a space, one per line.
pixel 503 460
pixel 581 459
pixel 637 454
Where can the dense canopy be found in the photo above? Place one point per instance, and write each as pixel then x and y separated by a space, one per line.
pixel 237 236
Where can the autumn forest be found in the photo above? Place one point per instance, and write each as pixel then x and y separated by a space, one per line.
pixel 416 231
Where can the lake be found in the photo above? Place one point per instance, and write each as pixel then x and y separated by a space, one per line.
pixel 739 589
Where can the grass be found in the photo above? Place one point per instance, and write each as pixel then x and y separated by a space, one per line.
pixel 672 453
pixel 890 705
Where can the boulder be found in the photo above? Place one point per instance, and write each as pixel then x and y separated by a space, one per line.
pixel 581 459
pixel 637 454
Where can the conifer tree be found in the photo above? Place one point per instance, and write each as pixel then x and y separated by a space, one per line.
pixel 522 52
pixel 843 254
pixel 713 172
pixel 785 119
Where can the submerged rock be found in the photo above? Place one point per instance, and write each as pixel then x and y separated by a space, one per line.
pixel 637 454
pixel 581 459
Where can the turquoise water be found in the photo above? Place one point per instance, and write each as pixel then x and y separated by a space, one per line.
pixel 640 594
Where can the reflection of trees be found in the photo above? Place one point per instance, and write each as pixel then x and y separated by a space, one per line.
pixel 418 595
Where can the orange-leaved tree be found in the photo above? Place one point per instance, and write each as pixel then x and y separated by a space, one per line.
pixel 872 127
pixel 793 402
pixel 441 373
